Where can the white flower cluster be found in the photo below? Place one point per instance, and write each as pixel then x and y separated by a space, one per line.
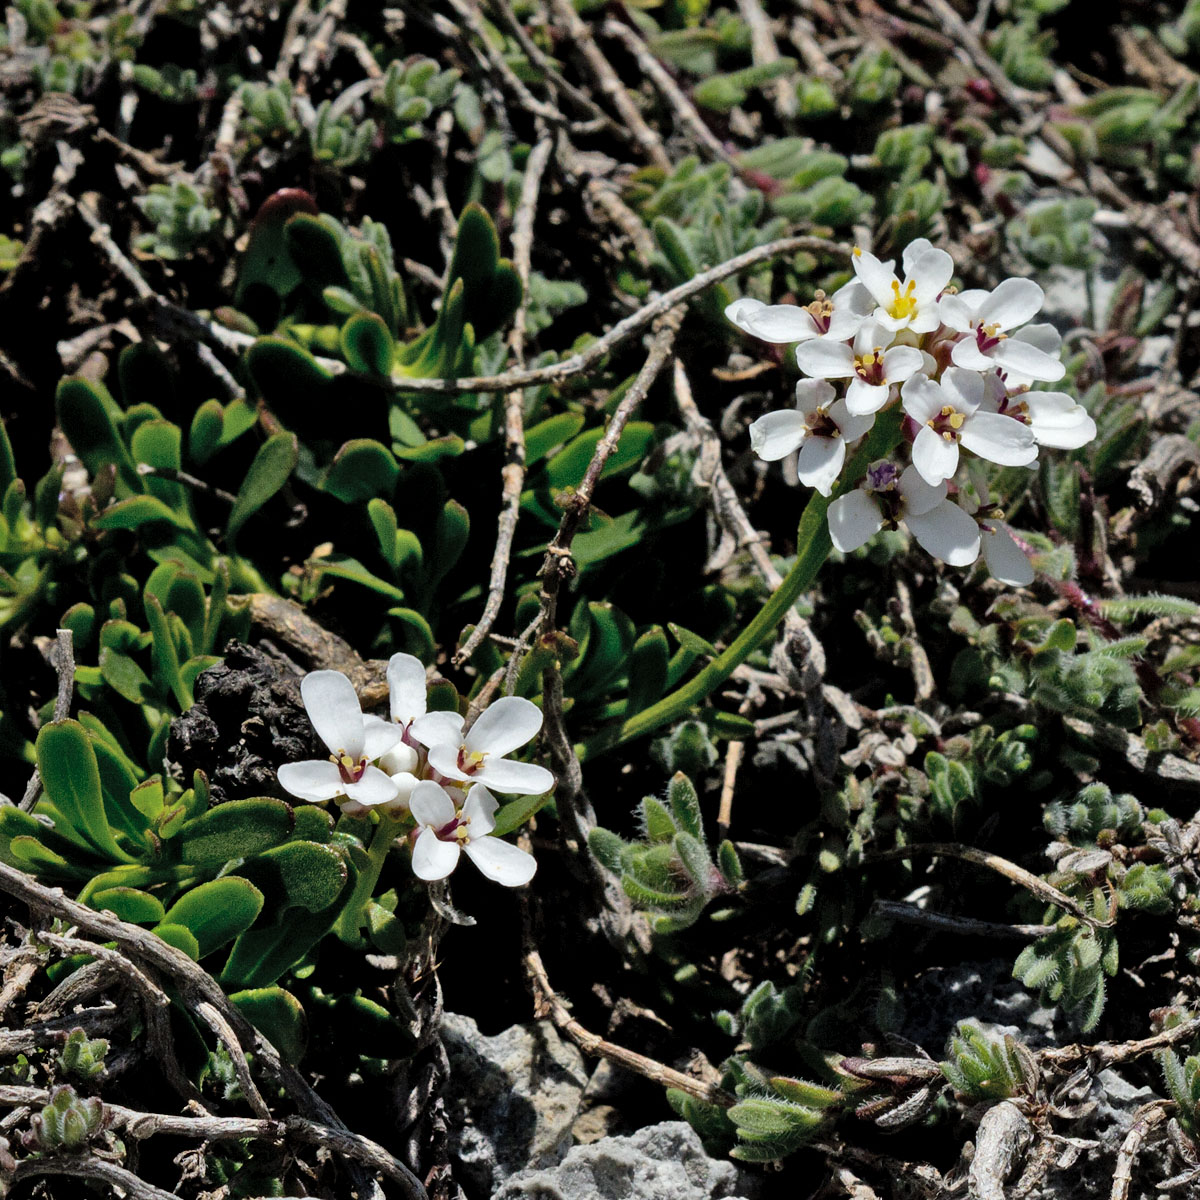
pixel 422 764
pixel 960 364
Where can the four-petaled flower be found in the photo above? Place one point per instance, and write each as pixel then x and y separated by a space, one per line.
pixel 887 497
pixel 353 740
pixel 913 305
pixel 819 425
pixel 835 317
pixel 1056 419
pixel 478 756
pixel 446 830
pixel 871 369
pixel 986 318
pixel 949 412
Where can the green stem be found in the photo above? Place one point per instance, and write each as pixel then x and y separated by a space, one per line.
pixel 354 916
pixel 812 549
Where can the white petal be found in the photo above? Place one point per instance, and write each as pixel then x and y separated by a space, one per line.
pixel 332 706
pixel 777 434
pixel 406 687
pixel 1014 354
pixel 438 728
pixel 901 363
pixel 863 399
pixel 931 271
pixel 433 859
pixel 1005 559
pixel 999 439
pixel 812 394
pixel 921 398
pixel 504 725
pixel 852 297
pixel 891 325
pixel 872 336
pixel 379 736
pixel 919 496
pixel 375 787
pixel 935 457
pixel 778 323
pixel 820 463
pixel 825 360
pixel 316 780
pixel 443 758
pixel 400 759
pixel 405 784
pixel 964 389
pixel 967 354
pixel 1011 304
pixel 912 252
pixel 852 425
pixel 1044 337
pixel 514 778
pixel 1059 422
pixel 480 809
pixel 956 313
pixel 874 275
pixel 430 805
pixel 844 324
pixel 501 861
pixel 854 519
pixel 947 533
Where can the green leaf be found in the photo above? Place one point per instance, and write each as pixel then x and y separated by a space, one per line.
pixel 549 434
pixel 361 470
pixel 181 937
pixel 166 660
pixel 367 345
pixel 297 875
pixel 647 670
pixel 125 677
pixel 204 437
pixel 515 813
pixel 691 642
pixel 272 465
pixel 278 1016
pixel 71 780
pixel 234 830
pixel 137 511
pixel 217 911
pixel 567 467
pixel 87 416
pixel 128 904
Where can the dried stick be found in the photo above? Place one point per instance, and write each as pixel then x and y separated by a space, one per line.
pixel 1145 1120
pixel 62 656
pixel 1104 1054
pixel 910 914
pixel 513 472
pixel 982 858
pixel 90 1166
pixel 580 37
pixel 547 1003
pixel 764 51
pixel 685 111
pixel 196 986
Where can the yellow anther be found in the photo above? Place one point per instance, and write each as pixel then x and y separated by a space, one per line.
pixel 948 436
pixel 956 420
pixel 947 410
pixel 904 303
pixel 857 251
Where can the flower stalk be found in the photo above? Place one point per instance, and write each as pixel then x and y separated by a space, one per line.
pixel 812 549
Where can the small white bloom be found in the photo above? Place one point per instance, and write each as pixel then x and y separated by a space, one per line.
pixel 353 740
pixel 446 831
pixel 871 369
pixel 914 305
pixel 986 317
pixel 1055 418
pixel 407 703
pixel 888 496
pixel 820 426
pixel 837 317
pixel 949 412
pixel 479 756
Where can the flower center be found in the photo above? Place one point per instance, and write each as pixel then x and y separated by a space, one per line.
pixel 350 771
pixel 469 761
pixel 454 831
pixel 821 311
pixel 948 422
pixel 821 424
pixel 1018 410
pixel 903 304
pixel 988 337
pixel 869 367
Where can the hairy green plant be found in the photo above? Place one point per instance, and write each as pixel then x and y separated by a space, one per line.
pixel 67 1124
pixel 982 1067
pixel 183 220
pixel 82 1056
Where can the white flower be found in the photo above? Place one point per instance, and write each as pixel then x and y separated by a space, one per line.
pixel 871 369
pixel 478 757
pixel 1004 558
pixel 914 306
pixel 446 831
pixel 838 317
pixel 353 740
pixel 1055 418
pixel 948 413
pixel 820 426
pixel 985 318
pixel 888 497
pixel 1043 337
pixel 407 702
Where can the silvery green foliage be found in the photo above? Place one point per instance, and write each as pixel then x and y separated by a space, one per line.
pixel 182 216
pixel 980 1066
pixel 68 1123
pixel 82 1056
pixel 267 112
pixel 670 871
pixel 410 93
pixel 1093 810
pixel 338 138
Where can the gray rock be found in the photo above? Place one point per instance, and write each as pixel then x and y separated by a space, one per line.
pixel 660 1162
pixel 510 1101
